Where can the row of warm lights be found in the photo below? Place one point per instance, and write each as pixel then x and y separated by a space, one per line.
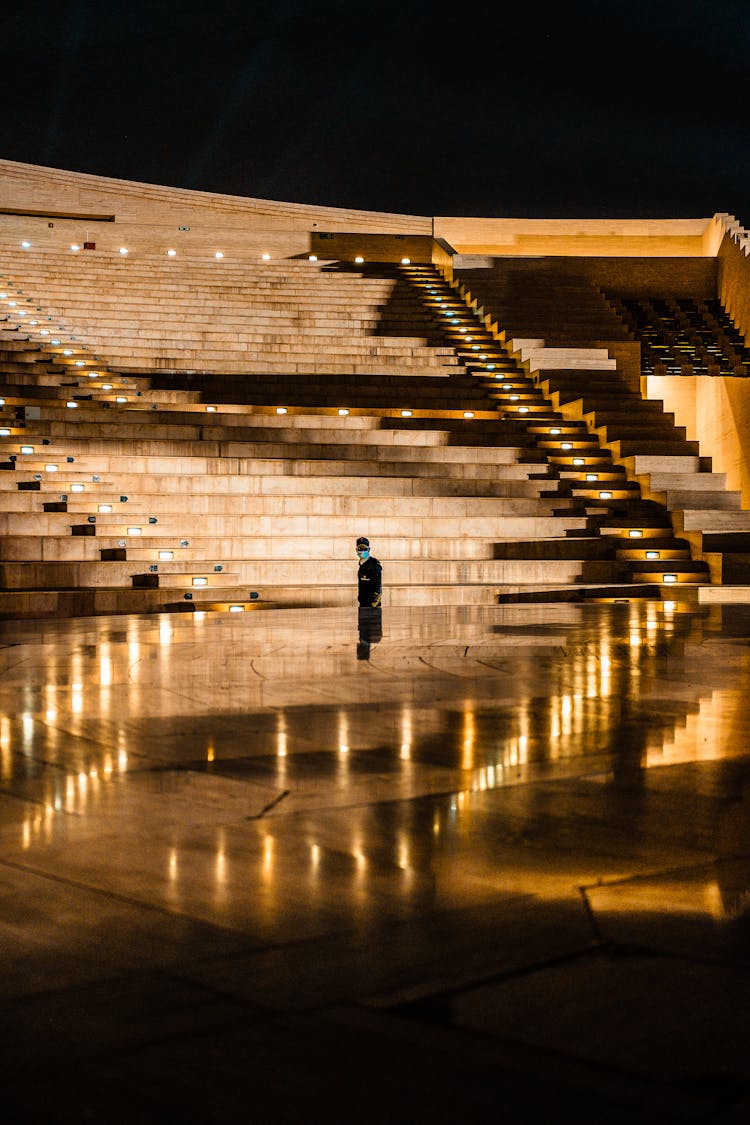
pixel 75 247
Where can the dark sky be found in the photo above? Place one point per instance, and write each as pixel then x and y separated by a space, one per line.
pixel 570 109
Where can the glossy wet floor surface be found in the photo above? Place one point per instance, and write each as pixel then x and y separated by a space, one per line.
pixel 450 865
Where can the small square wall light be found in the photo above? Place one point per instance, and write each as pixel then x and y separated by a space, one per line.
pixel 4 432
pixel 312 257
pixel 50 468
pixel 67 351
pixel 75 247
pixel 406 413
pixel 236 609
pixel 25 245
pixel 555 430
pixel 343 412
pixel 266 257
pixel 605 495
pixel 171 253
pixel 592 476
pixel 635 533
pixel 281 410
pixel 106 386
pixel 468 413
pixel 123 250
pixel 219 254
pixel 104 508
pixel 523 410
pixel 121 398
pixel 669 579
pixel 27 449
pixel 165 556
pixel 134 531
pixel 652 554
pixel 359 260
pixel 566 445
pixel 406 261
pixel 200 582
pixel 72 405
pixel 210 410
pixel 578 461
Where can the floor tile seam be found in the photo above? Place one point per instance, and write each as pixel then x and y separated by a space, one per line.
pixel 529 1061
pixel 665 873
pixel 119 897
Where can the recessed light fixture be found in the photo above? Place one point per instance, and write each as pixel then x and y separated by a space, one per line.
pixel 266 257
pixel 75 246
pixel 406 261
pixel 123 250
pixel 468 413
pixel 406 413
pixel 171 253
pixel 359 260
pixel 312 257
pixel 592 476
pixel 134 531
pixel 200 582
pixel 50 468
pixel 566 445
pixel 652 554
pixel 605 495
pixel 4 432
pixel 165 555
pixel 210 410
pixel 554 430
pixel 281 410
pixel 219 254
pixel 236 609
pixel 27 449
pixel 670 579
pixel 71 405
pixel 343 411
pixel 105 507
pixel 121 398
pixel 26 245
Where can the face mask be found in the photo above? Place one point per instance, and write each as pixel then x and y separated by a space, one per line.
pixel 362 553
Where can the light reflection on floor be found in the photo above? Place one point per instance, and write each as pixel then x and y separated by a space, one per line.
pixel 422 801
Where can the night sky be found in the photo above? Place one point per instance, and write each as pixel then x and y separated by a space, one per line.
pixel 563 110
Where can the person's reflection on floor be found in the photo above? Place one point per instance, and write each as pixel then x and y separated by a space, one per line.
pixel 370 622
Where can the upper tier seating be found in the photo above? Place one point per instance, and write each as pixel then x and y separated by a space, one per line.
pixel 149 314
pixel 680 336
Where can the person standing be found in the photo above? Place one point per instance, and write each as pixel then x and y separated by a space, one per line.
pixel 369 576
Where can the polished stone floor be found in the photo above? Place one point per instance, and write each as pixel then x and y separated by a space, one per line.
pixel 448 865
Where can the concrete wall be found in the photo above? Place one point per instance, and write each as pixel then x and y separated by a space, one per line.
pixel 149 218
pixel 734 282
pixel 715 412
pixel 577 237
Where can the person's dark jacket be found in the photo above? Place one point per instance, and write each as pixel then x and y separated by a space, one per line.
pixel 370 582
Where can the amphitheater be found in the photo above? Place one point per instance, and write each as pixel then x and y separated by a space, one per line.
pixel 207 398
pixel 478 855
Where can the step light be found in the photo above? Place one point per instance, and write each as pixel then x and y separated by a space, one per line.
pixel 605 495
pixel 312 257
pixel 25 245
pixel 523 410
pixel 406 261
pixel 76 488
pixel 669 579
pixel 490 366
pixel 171 253
pixel 468 413
pixel 579 461
pixel 105 508
pixel 134 531
pixel 106 386
pixel 166 555
pixel 406 413
pixel 343 412
pixel 123 250
pixel 200 582
pixel 555 430
pixel 236 609
pixel 359 260
pixel 68 351
pixel 27 449
pixel 592 476
pixel 121 398
pixel 635 534
pixel 71 405
pixel 50 468
pixel 80 363
pixel 219 254
pixel 514 398
pixel 2 402
pixel 4 432
pixel 652 554
pixel 281 410
pixel 566 445
pixel 210 410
